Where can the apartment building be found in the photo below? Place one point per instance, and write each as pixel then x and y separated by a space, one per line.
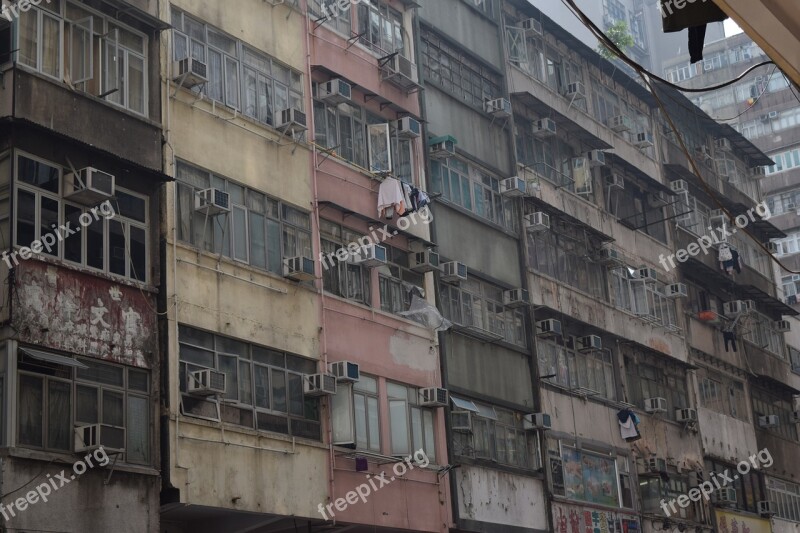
pixel 80 226
pixel 762 106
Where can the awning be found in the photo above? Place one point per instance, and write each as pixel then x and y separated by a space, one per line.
pixel 486 411
pixel 467 405
pixel 53 358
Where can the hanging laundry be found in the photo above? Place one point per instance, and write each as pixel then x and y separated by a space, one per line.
pixel 391 199
pixel 695 17
pixel 731 264
pixel 730 338
pixel 628 425
pixel 725 252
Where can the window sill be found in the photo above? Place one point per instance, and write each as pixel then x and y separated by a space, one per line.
pixel 71 458
pixel 91 272
pixel 141 117
pixel 233 428
pixel 537 473
pixel 378 311
pixel 621 510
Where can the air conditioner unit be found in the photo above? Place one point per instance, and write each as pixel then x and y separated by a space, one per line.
pixel 575 91
pixel 319 384
pixel 686 415
pixel 536 421
pixel 92 437
pixel 433 397
pixel 677 290
pixel 768 421
pixel 516 298
pixel 461 421
pixel 783 326
pixel 749 305
pixel 772 115
pixel 292 121
pixel 611 256
pixel 400 71
pixel 644 139
pixel 615 181
pixel 442 147
pixel 532 25
pixel 655 405
pixel 620 123
pixel 408 128
pixel 596 158
pixel 734 308
pixel 426 261
pixel 679 186
pixel 723 144
pixel 89 187
pixel 299 268
pixel 513 186
pixel 772 247
pixel 345 371
pixel 189 72
pixel 336 91
pixel 453 272
pixel 537 222
pixel 757 172
pixel 703 151
pixel 206 382
pixel 498 108
pixel 716 214
pixel 590 343
pixel 544 127
pixel 655 464
pixel 371 255
pixel 212 202
pixel 648 274
pixel 790 207
pixel 725 496
pixel 766 508
pixel 548 328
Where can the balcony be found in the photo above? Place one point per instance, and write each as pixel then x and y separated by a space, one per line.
pixel 79 116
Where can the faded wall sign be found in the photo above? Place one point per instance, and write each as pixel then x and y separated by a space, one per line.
pixel 66 310
pixel 737 523
pixel 575 519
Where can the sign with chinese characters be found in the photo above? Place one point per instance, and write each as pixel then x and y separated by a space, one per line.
pixel 575 519
pixel 66 310
pixel 736 523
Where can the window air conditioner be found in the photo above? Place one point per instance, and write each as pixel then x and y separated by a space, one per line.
pixel 433 397
pixel 94 436
pixel 298 268
pixel 212 202
pixel 655 405
pixel 319 384
pixel 89 187
pixel 205 382
pixel 345 371
pixel 189 72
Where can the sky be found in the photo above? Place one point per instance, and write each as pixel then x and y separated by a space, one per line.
pixel 731 28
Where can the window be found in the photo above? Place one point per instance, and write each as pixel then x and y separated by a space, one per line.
pixel 785 202
pixel 356 418
pixel 586 476
pixel 259 230
pixel 786 496
pixel 615 10
pixel 397 284
pixel 497 435
pixel 338 19
pixel 794 358
pixel 55 398
pixel 643 298
pixel 786 160
pixel 487 7
pixel 410 426
pixel 114 244
pixel 722 394
pixel 766 403
pixel 760 330
pixel 475 190
pixel 789 245
pixel 238 76
pixel 561 254
pixel 477 304
pixel 652 378
pixel 631 206
pixel 97 54
pixel 264 387
pixel 749 488
pixel 654 489
pixel 381 28
pixel 457 73
pixel 342 278
pixel 343 128
pixel 575 369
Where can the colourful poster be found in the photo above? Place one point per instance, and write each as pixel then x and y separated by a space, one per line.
pixel 728 522
pixel 590 478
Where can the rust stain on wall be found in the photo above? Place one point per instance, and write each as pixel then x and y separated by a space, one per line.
pixel 66 310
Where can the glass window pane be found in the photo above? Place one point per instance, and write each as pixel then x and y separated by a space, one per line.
pixel 113 408
pixel 374 424
pixel 116 245
pixel 360 408
pixel 230 366
pixel 261 375
pixel 28 38
pixel 101 373
pixel 31 409
pixel 38 174
pixel 59 415
pixel 279 390
pixel 427 427
pixel 86 405
pixel 398 418
pixel 138 430
pixel 94 244
pixel 26 218
pixel 51 45
pixel 138 253
pixel 296 397
pixel 245 384
pixel 136 89
pixel 416 429
pixel 73 249
pixel 240 234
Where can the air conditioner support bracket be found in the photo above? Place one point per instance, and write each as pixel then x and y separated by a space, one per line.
pixel 111 471
pixel 382 62
pixel 354 39
pixel 328 153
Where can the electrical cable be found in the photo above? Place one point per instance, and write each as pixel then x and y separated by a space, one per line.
pixel 608 43
pixel 648 78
